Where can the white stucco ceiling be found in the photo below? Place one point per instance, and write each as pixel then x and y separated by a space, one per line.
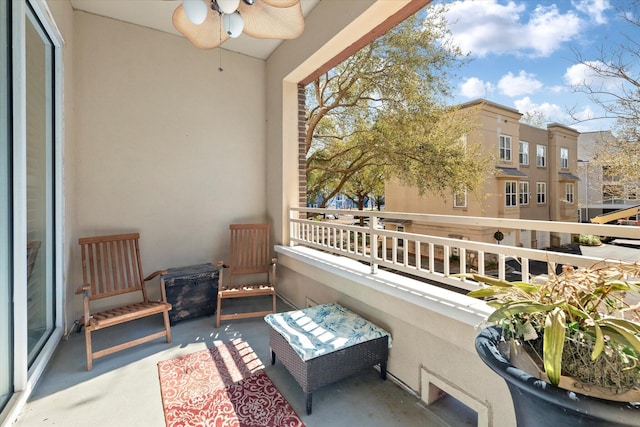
pixel 157 14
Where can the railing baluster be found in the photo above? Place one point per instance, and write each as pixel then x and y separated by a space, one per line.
pixel 383 255
pixel 525 269
pixel 432 256
pixel 394 254
pixel 405 253
pixel 446 256
pixel 462 253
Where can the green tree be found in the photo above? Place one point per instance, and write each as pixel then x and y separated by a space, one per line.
pixel 385 107
pixel 365 184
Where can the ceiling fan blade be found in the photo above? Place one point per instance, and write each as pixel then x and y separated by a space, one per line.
pixel 207 35
pixel 263 21
pixel 281 3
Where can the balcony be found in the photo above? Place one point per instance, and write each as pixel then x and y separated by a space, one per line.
pixel 148 140
pixel 436 377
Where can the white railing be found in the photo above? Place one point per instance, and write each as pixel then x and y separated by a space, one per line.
pixel 438 258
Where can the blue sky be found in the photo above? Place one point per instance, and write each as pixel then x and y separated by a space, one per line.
pixel 523 52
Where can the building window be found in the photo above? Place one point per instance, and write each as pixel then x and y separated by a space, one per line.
pixel 511 193
pixel 564 158
pixel 460 199
pixel 524 192
pixel 568 193
pixel 523 153
pixel 541 156
pixel 541 192
pixel 505 148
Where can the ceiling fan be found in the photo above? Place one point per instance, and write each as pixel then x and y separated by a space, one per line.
pixel 208 24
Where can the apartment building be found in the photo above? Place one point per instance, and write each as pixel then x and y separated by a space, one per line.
pixel 535 178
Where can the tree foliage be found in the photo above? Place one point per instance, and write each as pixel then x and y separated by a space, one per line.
pixel 384 109
pixel 619 161
pixel 366 183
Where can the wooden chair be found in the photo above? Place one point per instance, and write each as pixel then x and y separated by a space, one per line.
pixel 110 267
pixel 249 255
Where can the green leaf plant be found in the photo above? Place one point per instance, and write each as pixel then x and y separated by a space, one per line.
pixel 598 306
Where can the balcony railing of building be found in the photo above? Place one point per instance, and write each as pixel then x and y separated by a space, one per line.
pixel 438 258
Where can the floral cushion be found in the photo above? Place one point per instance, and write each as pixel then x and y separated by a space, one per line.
pixel 322 329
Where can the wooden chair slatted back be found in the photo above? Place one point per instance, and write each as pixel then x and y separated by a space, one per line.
pixel 249 249
pixel 111 265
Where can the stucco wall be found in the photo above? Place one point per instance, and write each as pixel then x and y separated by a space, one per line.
pixel 165 144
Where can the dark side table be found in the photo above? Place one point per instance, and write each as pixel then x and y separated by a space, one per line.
pixel 192 291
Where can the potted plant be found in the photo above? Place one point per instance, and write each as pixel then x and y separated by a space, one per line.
pixel 580 331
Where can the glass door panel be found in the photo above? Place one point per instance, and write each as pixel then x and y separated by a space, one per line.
pixel 40 184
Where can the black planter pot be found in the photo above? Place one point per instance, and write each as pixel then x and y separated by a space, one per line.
pixel 538 403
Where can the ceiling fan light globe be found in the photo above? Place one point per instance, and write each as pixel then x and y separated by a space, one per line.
pixel 233 24
pixel 228 6
pixel 196 10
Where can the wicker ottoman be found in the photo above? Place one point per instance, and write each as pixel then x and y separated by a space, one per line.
pixel 323 344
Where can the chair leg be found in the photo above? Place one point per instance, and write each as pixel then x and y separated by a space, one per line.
pixel 274 303
pixel 308 402
pixel 218 309
pixel 87 341
pixel 167 325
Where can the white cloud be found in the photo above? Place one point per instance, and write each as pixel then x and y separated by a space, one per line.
pixel 585 114
pixel 584 120
pixel 475 88
pixel 556 89
pixel 594 9
pixel 585 74
pixel 519 85
pixel 551 112
pixel 483 27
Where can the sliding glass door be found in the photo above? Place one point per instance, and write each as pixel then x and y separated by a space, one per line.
pixel 40 184
pixel 29 181
pixel 6 241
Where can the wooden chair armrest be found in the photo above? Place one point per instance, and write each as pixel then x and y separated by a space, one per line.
pixel 83 288
pixel 156 273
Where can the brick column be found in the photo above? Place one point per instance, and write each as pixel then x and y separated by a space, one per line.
pixel 302 157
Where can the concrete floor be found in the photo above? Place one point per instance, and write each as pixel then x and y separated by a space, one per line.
pixel 123 388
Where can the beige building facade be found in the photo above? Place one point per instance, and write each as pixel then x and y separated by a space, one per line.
pixel 535 178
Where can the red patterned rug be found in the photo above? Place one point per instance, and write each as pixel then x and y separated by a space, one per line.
pixel 224 386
